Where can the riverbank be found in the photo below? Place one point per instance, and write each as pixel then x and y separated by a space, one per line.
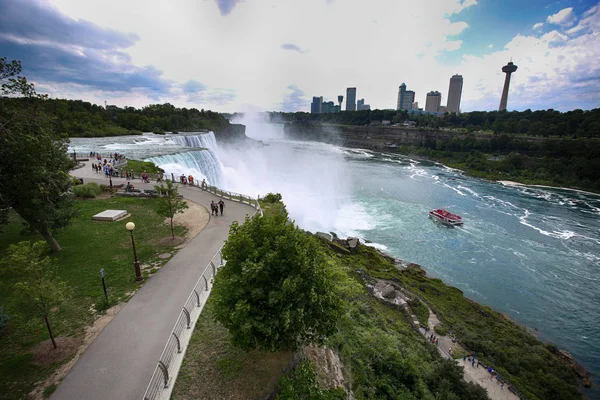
pixel 513 183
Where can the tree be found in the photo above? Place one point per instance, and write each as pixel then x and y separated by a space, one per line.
pixel 40 290
pixel 276 290
pixel 170 203
pixel 34 165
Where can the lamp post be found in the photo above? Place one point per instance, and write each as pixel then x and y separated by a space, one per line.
pixel 138 273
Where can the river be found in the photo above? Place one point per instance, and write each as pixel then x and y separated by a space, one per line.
pixel 532 253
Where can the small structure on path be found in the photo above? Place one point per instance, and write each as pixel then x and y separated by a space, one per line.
pixel 110 215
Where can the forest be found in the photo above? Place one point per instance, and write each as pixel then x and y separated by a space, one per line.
pixel 78 118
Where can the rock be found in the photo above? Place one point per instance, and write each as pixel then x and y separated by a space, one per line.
pixel 353 243
pixel 324 235
pixel 388 292
pixel 587 383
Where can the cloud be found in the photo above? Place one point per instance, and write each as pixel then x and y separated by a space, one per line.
pixel 55 48
pixel 565 17
pixel 291 46
pixel 538 25
pixel 491 45
pixel 293 99
pixel 193 86
pixel 227 6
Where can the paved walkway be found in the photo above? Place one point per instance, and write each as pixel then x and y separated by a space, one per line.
pixel 471 373
pixel 120 362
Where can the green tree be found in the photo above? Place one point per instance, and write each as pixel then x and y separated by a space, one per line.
pixel 34 165
pixel 40 290
pixel 277 290
pixel 170 203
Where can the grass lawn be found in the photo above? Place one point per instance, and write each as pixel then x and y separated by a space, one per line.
pixel 138 167
pixel 87 246
pixel 214 369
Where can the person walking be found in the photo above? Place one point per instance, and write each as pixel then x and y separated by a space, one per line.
pixel 212 207
pixel 221 205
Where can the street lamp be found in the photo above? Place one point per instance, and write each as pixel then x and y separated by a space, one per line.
pixel 138 273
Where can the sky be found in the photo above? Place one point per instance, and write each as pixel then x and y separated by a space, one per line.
pixel 275 55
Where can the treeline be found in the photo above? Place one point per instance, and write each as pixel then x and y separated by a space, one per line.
pixel 78 118
pixel 556 161
pixel 546 123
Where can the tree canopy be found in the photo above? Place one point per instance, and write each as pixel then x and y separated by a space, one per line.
pixel 276 290
pixel 170 203
pixel 34 165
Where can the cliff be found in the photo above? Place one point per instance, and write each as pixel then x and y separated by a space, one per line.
pixel 231 133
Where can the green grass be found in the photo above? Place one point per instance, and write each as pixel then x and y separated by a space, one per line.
pixel 87 246
pixel 422 312
pixel 214 369
pixel 138 167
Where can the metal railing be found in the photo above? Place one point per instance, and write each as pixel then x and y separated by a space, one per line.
pixel 168 364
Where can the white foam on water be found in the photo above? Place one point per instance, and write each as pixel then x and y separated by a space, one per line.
pixel 453 188
pixel 469 191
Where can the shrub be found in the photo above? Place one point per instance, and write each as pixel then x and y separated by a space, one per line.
pixel 440 330
pixel 272 198
pixel 88 191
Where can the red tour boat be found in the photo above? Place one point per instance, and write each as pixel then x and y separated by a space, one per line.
pixel 446 217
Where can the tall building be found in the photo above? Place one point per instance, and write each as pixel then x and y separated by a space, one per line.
pixel 415 105
pixel 360 105
pixel 340 99
pixel 329 107
pixel 316 107
pixel 351 99
pixel 508 69
pixel 454 94
pixel 433 102
pixel 406 98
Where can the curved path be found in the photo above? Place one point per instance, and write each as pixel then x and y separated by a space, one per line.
pixel 120 362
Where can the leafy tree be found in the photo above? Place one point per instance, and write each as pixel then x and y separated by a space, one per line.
pixel 34 165
pixel 170 203
pixel 276 290
pixel 40 290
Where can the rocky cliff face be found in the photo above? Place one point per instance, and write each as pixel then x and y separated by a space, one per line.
pixel 231 133
pixel 371 137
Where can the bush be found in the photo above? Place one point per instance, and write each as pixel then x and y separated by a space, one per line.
pixel 88 191
pixel 3 320
pixel 302 384
pixel 440 330
pixel 272 198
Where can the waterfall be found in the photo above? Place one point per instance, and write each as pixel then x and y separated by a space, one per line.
pixel 202 163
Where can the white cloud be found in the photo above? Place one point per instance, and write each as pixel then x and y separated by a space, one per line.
pixel 538 25
pixel 239 56
pixel 565 17
pixel 490 46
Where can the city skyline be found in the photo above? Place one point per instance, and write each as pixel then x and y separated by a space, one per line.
pixel 217 55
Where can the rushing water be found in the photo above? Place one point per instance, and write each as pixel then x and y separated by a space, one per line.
pixel 532 253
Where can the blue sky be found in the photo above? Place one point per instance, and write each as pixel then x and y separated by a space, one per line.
pixel 239 55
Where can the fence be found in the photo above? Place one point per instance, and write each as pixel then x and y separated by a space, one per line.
pixel 170 360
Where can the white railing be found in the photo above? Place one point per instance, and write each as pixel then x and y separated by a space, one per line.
pixel 170 360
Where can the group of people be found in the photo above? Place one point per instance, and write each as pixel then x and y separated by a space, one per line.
pixel 433 339
pixel 115 158
pixel 215 207
pixel 186 179
pixel 107 169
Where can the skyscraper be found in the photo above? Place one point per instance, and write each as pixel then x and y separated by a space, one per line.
pixel 340 99
pixel 351 99
pixel 454 94
pixel 405 98
pixel 433 102
pixel 316 107
pixel 360 105
pixel 508 69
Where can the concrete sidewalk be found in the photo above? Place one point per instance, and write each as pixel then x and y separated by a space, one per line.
pixel 120 362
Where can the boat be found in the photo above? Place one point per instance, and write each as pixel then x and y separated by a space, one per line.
pixel 446 217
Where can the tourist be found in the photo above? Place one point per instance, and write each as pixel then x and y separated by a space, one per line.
pixel 145 177
pixel 473 362
pixel 181 178
pixel 221 205
pixel 204 185
pixel 191 180
pixel 129 187
pixel 212 207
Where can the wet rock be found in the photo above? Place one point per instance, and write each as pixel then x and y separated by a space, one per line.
pixel 324 235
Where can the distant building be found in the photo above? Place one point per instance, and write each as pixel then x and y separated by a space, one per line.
pixel 386 122
pixel 415 105
pixel 406 98
pixel 433 102
pixel 330 107
pixel 360 105
pixel 340 99
pixel 443 109
pixel 351 99
pixel 316 107
pixel 454 94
